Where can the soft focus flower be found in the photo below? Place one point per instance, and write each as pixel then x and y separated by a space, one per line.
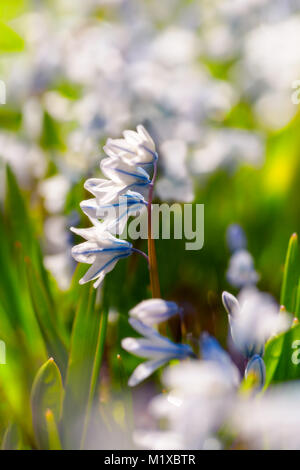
pixel 257 369
pixel 137 148
pixel 155 347
pixel 154 311
pixel 270 421
pixel 199 399
pixel 254 321
pixel 226 148
pixel 241 270
pixel 236 238
pixel 212 351
pixel 102 250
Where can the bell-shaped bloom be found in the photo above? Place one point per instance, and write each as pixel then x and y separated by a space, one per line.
pixel 153 346
pixel 256 367
pixel 241 272
pixel 254 321
pixel 122 178
pixel 102 250
pixel 121 172
pixel 137 148
pixel 116 214
pixel 154 311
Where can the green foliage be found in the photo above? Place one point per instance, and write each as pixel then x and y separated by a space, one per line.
pixel 46 403
pixel 291 276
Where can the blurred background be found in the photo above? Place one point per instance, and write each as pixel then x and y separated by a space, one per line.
pixel 211 80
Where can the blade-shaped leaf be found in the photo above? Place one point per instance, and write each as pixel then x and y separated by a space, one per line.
pixel 12 439
pixel 46 394
pixel 291 275
pixel 280 357
pixel 46 317
pixel 83 366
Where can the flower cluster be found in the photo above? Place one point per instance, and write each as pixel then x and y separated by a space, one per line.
pixel 117 197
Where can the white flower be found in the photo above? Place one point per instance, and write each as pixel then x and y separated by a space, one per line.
pixel 115 214
pixel 200 398
pixel 137 148
pixel 241 270
pixel 102 250
pixel 122 178
pixel 270 421
pixel 154 311
pixel 254 321
pixel 155 347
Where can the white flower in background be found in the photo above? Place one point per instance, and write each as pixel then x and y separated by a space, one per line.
pixel 54 190
pixel 175 46
pixel 154 311
pixel 158 349
pixel 137 148
pixel 177 184
pixel 254 321
pixel 102 250
pixel 270 421
pixel 227 148
pixel 27 160
pixel 241 270
pixel 199 399
pixel 267 77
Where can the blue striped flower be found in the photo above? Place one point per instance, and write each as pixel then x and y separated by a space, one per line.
pixel 114 215
pixel 102 250
pixel 137 148
pixel 158 349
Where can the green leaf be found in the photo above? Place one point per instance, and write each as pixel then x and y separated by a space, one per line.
pixel 297 310
pixel 12 439
pixel 46 394
pixel 83 368
pixel 280 355
pixel 46 317
pixel 291 276
pixel 10 41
